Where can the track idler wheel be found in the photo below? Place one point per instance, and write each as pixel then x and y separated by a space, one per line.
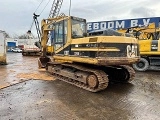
pixel 92 81
pixel 122 73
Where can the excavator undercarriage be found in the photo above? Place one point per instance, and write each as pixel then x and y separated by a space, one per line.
pixel 91 77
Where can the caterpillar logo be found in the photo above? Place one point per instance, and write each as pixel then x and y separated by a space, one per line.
pixel 131 51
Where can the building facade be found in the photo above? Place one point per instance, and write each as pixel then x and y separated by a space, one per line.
pixel 126 23
pixel 13 43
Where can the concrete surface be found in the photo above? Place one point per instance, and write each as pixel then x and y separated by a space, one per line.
pixel 56 100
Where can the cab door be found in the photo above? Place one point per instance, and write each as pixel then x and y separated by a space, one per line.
pixel 60 35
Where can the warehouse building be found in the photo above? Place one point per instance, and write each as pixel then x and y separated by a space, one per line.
pixel 13 43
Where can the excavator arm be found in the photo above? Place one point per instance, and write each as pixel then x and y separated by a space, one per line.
pixel 44 38
pixel 45 28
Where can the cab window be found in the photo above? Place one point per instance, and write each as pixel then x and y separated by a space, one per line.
pixel 60 34
pixel 78 28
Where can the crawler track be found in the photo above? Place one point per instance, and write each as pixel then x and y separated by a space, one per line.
pixel 131 73
pixel 120 74
pixel 101 77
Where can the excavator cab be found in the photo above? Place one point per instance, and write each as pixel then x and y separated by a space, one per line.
pixel 63 29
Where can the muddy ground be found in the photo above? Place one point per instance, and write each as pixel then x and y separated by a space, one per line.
pixel 39 96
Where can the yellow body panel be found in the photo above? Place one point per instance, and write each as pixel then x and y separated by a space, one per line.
pixel 145 45
pixel 106 39
pixel 150 53
pixel 96 61
pixel 159 45
pixel 77 59
pixel 146 40
pixel 50 49
pixel 95 49
pixel 99 39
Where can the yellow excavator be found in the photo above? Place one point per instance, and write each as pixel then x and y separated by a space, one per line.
pixel 149 43
pixel 88 61
pixel 141 32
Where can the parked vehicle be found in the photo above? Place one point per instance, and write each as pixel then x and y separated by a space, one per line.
pixel 16 50
pixel 30 49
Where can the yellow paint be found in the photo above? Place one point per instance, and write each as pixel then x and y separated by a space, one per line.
pixel 63 47
pixel 159 45
pixel 105 39
pixel 76 59
pixel 145 45
pixel 47 25
pixel 95 49
pixel 50 49
pixel 111 60
pixel 150 53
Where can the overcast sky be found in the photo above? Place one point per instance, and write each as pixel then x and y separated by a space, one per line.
pixel 16 15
